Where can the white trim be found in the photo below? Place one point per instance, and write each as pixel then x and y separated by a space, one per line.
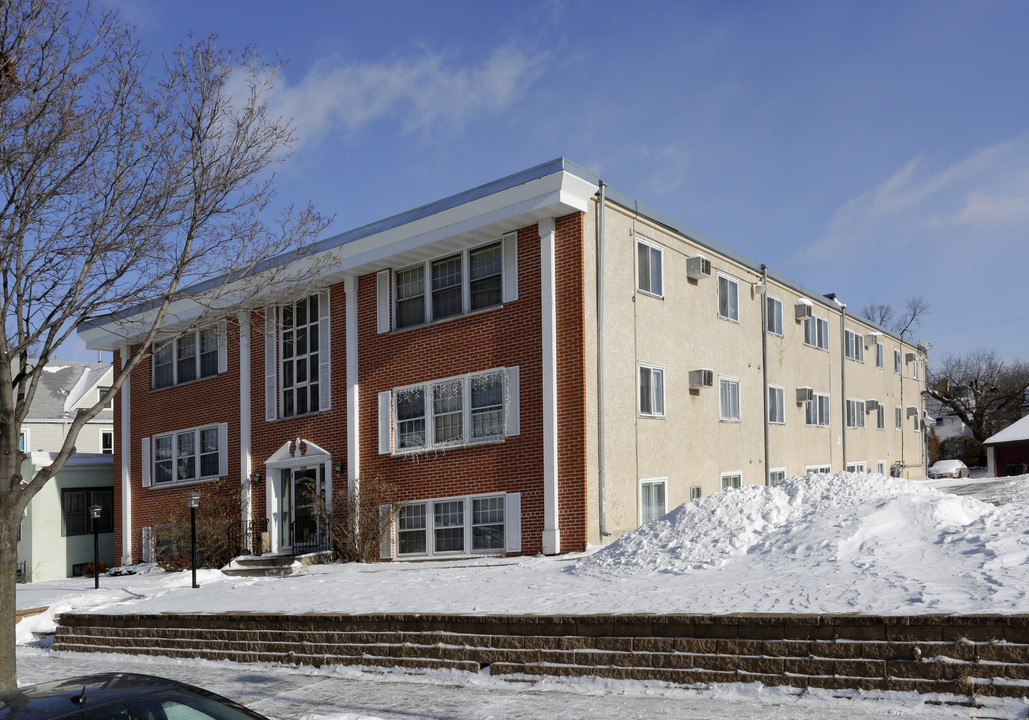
pixel 223 453
pixel 781 404
pixel 510 280
pixel 774 299
pixel 880 467
pixel 663 481
pixel 548 342
pixel 271 354
pixel 298 453
pixel 324 350
pixel 383 297
pixel 385 422
pixel 824 469
pixel 654 412
pixel 771 471
pixel 722 416
pixel 105 431
pixel 246 466
pixel 727 476
pixel 353 383
pixel 125 394
pixel 730 280
pixel 652 245
pixel 512 526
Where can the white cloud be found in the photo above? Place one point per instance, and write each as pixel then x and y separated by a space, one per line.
pixel 429 90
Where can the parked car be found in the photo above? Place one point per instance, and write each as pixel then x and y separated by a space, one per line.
pixel 119 696
pixel 948 469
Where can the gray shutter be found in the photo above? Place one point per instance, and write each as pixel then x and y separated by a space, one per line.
pixel 510 249
pixel 324 353
pixel 223 354
pixel 223 449
pixel 270 348
pixel 385 422
pixel 511 380
pixel 513 522
pixel 144 459
pixel 383 300
pixel 386 532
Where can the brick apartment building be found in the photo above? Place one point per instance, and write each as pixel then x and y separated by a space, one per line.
pixel 456 352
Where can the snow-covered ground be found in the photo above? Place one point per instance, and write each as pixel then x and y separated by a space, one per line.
pixel 815 544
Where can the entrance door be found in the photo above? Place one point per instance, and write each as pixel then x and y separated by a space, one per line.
pixel 302 527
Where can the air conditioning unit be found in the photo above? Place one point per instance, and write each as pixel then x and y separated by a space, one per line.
pixel 803 309
pixel 909 357
pixel 872 338
pixel 912 411
pixel 805 394
pixel 871 405
pixel 701 379
pixel 698 267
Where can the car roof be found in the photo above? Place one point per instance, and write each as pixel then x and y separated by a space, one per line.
pixel 945 463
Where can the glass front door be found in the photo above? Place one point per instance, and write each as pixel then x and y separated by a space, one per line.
pixel 301 527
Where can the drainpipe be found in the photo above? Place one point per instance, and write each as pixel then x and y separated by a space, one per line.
pixel 764 364
pixel 601 486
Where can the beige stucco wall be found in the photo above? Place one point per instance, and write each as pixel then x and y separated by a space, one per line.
pixel 681 331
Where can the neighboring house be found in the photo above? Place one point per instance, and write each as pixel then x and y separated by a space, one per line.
pixel 1007 452
pixel 535 364
pixel 946 423
pixel 56 540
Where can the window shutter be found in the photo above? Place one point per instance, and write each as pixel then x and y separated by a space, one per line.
pixel 383 300
pixel 513 413
pixel 223 354
pixel 144 459
pixel 386 530
pixel 270 397
pixel 223 449
pixel 513 521
pixel 324 353
pixel 385 422
pixel 510 267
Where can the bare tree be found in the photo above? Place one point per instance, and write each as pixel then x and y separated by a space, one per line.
pixel 120 191
pixel 905 322
pixel 983 391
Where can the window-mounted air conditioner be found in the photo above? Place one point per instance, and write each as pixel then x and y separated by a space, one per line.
pixel 909 357
pixel 698 267
pixel 871 405
pixel 701 379
pixel 912 411
pixel 803 309
pixel 872 338
pixel 805 394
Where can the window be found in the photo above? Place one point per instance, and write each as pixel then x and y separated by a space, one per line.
pixel 880 355
pixel 898 417
pixel 853 344
pixel 190 455
pixel 880 417
pixel 648 268
pixel 301 356
pixel 728 399
pixel 896 362
pixel 775 477
pixel 652 391
pixel 446 413
pixel 880 467
pixel 75 504
pixel 773 315
pixel 102 390
pixel 856 414
pixel 775 405
pixel 728 298
pixel 23 440
pixel 454 526
pixel 696 492
pixel 652 500
pixel 915 419
pixel 460 283
pixel 914 369
pixel 731 480
pixel 194 355
pixel 816 411
pixel 107 442
pixel 818 470
pixel 816 332
pixel 858 467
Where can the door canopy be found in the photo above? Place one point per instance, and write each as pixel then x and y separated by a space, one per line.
pixel 297 453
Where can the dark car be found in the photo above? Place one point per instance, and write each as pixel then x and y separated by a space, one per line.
pixel 120 696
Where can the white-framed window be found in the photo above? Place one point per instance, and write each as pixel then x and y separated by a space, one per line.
pixel 696 492
pixel 916 421
pixel 728 399
pixel 652 499
pixel 914 369
pixel 731 479
pixel 23 440
pixel 880 467
pixel 816 411
pixel 880 355
pixel 183 456
pixel 898 417
pixel 818 469
pixel 463 282
pixel 649 277
pixel 816 332
pixel 880 417
pixel 472 525
pixel 107 441
pixel 856 414
pixel 100 392
pixel 776 406
pixel 854 345
pixel 652 391
pixel 856 467
pixel 773 315
pixel 300 350
pixel 728 298
pixel 897 366
pixel 776 476
pixel 194 355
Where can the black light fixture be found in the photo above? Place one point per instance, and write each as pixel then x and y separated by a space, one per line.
pixel 193 502
pixel 255 477
pixel 94 519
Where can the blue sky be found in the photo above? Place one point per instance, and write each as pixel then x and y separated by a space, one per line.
pixel 874 149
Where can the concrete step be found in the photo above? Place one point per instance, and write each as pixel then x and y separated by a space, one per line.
pixel 261 566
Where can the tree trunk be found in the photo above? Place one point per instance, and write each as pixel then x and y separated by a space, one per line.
pixel 10 523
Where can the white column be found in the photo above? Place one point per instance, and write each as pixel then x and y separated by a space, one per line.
pixel 126 463
pixel 246 464
pixel 353 387
pixel 548 341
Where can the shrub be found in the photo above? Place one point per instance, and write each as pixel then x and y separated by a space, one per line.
pixel 218 532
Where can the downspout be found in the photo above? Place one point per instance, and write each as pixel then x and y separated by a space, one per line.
pixel 601 487
pixel 764 364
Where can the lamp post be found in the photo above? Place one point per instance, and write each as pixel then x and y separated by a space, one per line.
pixel 94 519
pixel 193 502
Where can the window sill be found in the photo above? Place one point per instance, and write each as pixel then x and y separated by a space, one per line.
pixel 735 321
pixel 648 293
pixel 402 452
